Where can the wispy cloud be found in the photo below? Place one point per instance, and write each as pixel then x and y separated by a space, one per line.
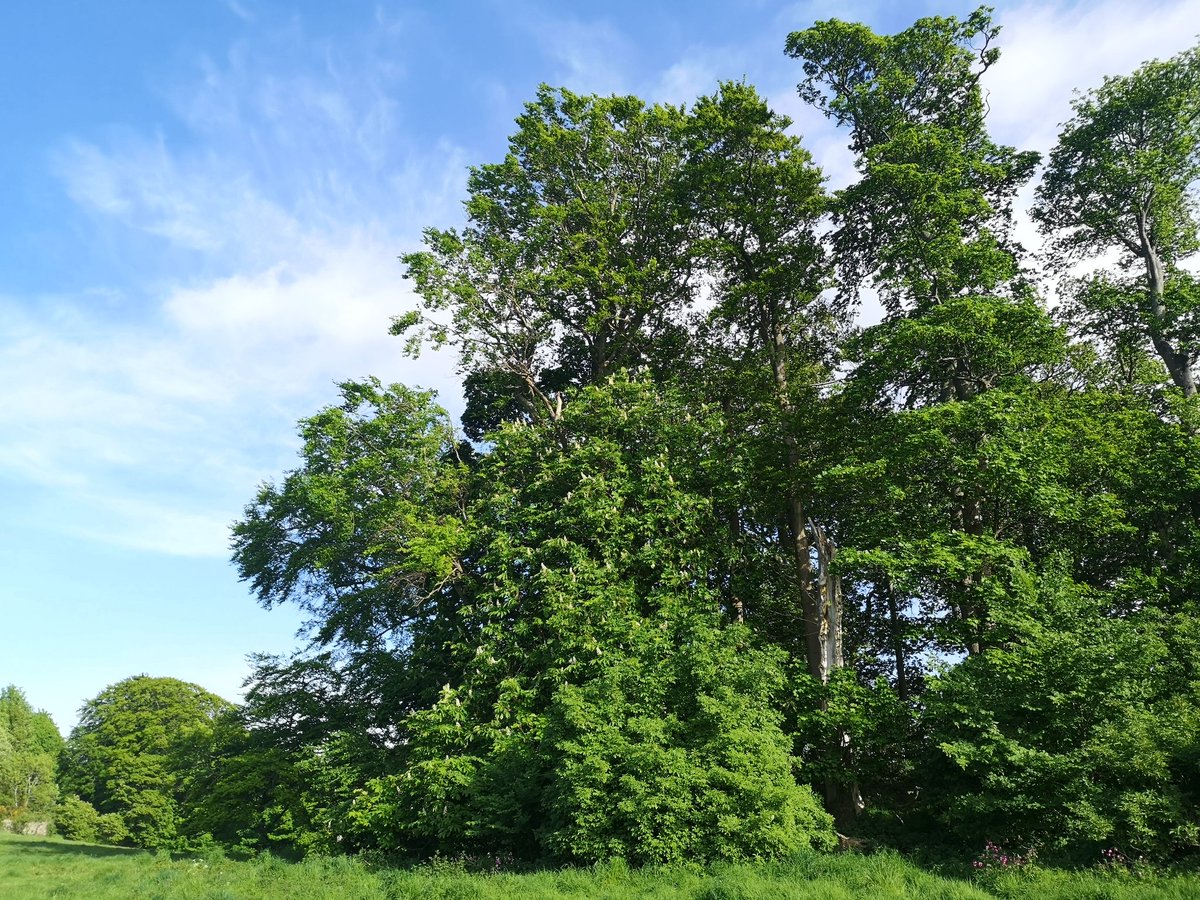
pixel 284 194
pixel 239 10
pixel 592 56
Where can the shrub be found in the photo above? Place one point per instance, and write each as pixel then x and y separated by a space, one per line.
pixel 76 820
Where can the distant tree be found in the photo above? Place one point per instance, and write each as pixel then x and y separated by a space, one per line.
pixel 133 749
pixel 29 748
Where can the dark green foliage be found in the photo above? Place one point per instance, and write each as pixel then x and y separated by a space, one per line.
pixel 1078 731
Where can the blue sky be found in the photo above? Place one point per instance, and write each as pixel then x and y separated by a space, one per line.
pixel 203 205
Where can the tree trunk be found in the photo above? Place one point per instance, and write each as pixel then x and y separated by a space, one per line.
pixel 1178 363
pixel 897 639
pixel 820 593
pixel 827 602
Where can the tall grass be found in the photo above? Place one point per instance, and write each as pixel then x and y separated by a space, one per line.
pixel 34 868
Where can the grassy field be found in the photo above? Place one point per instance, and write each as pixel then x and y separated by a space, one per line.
pixel 49 867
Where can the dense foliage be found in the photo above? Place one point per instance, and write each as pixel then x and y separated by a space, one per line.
pixel 29 749
pixel 714 572
pixel 130 757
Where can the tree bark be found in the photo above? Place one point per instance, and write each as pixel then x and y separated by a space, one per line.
pixel 1178 363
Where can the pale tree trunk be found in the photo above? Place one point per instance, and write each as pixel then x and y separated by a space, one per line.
pixel 1179 364
pixel 819 589
pixel 843 798
pixel 827 598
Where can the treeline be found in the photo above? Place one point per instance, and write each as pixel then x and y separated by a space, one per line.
pixel 715 573
pixel 30 745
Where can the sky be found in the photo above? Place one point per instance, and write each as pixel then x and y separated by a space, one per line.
pixel 201 210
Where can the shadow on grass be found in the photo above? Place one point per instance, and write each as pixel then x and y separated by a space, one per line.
pixel 67 848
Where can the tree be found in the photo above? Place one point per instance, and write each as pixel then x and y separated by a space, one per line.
pixel 130 753
pixel 581 637
pixel 929 223
pixel 1123 178
pixel 928 219
pixel 604 705
pixel 368 536
pixel 1077 733
pixel 772 333
pixel 901 467
pixel 574 264
pixel 769 342
pixel 253 790
pixel 29 748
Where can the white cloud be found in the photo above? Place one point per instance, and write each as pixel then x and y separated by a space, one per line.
pixel 593 57
pixel 277 209
pixel 161 426
pixel 1050 50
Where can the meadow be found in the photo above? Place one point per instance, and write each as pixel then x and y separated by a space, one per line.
pixel 32 868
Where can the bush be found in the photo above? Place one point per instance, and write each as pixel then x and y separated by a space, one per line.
pixel 111 829
pixel 76 820
pixel 1078 734
pixel 680 758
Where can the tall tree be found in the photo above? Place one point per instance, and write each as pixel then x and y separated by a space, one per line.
pixel 929 223
pixel 768 344
pixel 368 536
pixel 1123 179
pixel 771 336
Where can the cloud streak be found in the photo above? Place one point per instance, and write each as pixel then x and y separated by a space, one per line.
pixel 275 214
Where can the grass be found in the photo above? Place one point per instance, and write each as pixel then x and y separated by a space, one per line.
pixel 33 868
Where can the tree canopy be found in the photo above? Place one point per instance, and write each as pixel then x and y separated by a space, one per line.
pixel 132 752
